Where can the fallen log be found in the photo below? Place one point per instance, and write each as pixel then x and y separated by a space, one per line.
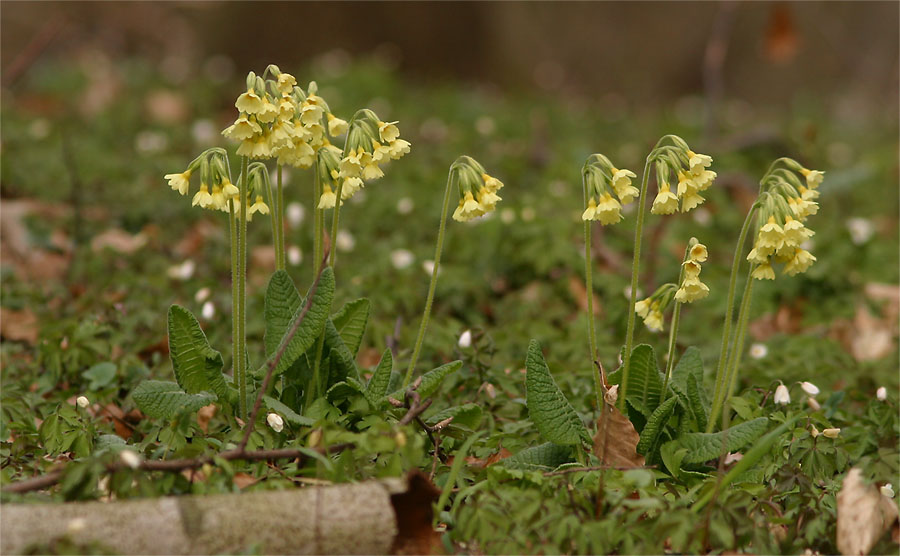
pixel 372 517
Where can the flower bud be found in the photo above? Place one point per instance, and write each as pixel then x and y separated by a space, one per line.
pixel 465 339
pixel 881 394
pixel 887 490
pixel 130 458
pixel 831 433
pixel 782 396
pixel 809 388
pixel 275 421
pixel 813 404
pixel 82 402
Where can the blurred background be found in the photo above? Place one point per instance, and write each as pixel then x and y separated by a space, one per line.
pixel 100 100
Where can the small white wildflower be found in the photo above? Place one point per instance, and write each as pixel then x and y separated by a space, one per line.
pixel 758 351
pixel 702 216
pixel 809 388
pixel 881 394
pixel 861 230
pixel 465 339
pixel 208 311
pixel 294 255
pixel 428 267
pixel 627 293
pixel 405 205
pixel 202 295
pixel 204 132
pixel 831 433
pixel 275 421
pixel 150 142
pixel 782 396
pixel 39 129
pixel 485 125
pixel 402 258
pixel 813 404
pixel 345 241
pixel 295 214
pixel 130 458
pixel 182 271
pixel 887 490
pixel 508 215
pixel 733 457
pixel 82 402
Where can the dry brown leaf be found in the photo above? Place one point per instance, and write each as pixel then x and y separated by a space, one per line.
pixel 204 414
pixel 579 292
pixel 490 460
pixel 615 443
pixel 787 320
pixel 118 240
pixel 782 38
pixel 18 325
pixel 243 480
pixel 863 515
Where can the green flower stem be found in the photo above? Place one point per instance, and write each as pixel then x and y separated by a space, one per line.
pixel 241 358
pixel 431 287
pixel 273 207
pixel 279 223
pixel 318 223
pixel 635 268
pixel 589 287
pixel 719 393
pixel 232 228
pixel 334 222
pixel 673 333
pixel 737 349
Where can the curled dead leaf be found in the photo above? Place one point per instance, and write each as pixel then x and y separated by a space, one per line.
pixel 615 443
pixel 18 326
pixel 863 515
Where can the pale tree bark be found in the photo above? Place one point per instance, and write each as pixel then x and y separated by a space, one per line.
pixel 342 519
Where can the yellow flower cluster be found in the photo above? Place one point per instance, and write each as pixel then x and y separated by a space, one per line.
pixel 279 120
pixel 606 189
pixel 692 288
pixel 216 188
pixel 652 308
pixel 786 203
pixel 694 177
pixel 477 189
pixel 370 144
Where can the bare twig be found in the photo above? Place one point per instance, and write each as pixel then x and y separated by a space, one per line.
pixel 597 468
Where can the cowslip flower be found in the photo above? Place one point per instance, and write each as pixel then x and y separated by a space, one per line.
pixel 652 309
pixel 179 182
pixel 472 181
pixel 606 189
pixel 665 202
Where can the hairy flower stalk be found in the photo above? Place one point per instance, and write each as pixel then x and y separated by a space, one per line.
pixel 690 289
pixel 787 198
pixel 671 156
pixel 606 188
pixel 477 197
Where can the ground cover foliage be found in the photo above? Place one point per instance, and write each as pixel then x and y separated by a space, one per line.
pixel 96 247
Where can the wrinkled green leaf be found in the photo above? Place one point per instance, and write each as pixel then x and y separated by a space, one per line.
pixel 100 375
pixel 289 414
pixel 431 380
pixel 466 416
pixel 378 384
pixel 351 321
pixel 644 380
pixel 198 367
pixel 703 447
pixel 282 302
pixel 548 407
pixel 165 400
pixel 656 424
pixel 544 457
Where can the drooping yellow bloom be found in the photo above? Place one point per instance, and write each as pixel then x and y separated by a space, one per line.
pixel 259 206
pixel 795 232
pixel 609 210
pixel 388 131
pixel 179 182
pixel 285 83
pixel 666 202
pixel 763 272
pixel 642 307
pixel 621 183
pixel 691 290
pixel 759 255
pixel 249 102
pixel 229 189
pixel 698 253
pixel 328 198
pixel 202 197
pixel 399 148
pixel 491 183
pixel 771 235
pixel 590 211
pixel 488 199
pixel 690 201
pixel 468 208
pixel 242 128
pixel 813 177
pixel 654 320
pixel 219 201
pixel 801 261
pixel 310 111
pixel 698 162
pixel 336 126
pixel 268 112
pixel 691 269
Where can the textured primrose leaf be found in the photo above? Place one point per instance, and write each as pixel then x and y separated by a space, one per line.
pixel 466 415
pixel 655 426
pixel 198 367
pixel 165 400
pixel 351 322
pixel 689 365
pixel 342 362
pixel 548 407
pixel 431 380
pixel 644 380
pixel 702 446
pixel 282 302
pixel 312 325
pixel 699 407
pixel 544 457
pixel 289 414
pixel 378 384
